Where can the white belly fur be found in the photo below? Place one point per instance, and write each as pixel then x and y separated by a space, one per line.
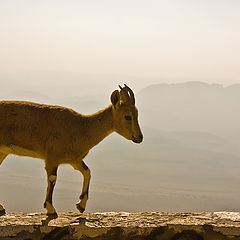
pixel 12 149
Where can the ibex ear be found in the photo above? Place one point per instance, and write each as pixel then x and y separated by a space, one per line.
pixel 115 98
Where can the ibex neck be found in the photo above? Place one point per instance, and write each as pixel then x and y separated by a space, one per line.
pixel 100 125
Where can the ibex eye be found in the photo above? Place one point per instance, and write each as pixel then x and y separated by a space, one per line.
pixel 128 117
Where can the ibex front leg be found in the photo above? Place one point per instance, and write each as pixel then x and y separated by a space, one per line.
pixel 83 168
pixel 51 180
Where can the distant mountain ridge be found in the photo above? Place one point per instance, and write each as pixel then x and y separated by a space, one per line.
pixel 194 106
pixel 191 88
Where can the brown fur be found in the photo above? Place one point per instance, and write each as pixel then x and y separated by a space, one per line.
pixel 59 135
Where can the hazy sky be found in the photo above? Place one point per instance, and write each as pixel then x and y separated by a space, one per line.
pixel 171 40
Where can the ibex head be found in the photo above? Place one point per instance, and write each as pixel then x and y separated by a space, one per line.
pixel 125 114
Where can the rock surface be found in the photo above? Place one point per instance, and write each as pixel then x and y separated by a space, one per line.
pixel 122 225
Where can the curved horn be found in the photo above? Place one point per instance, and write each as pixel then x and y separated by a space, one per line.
pixel 132 98
pixel 124 94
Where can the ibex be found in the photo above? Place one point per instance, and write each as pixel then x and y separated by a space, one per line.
pixel 59 135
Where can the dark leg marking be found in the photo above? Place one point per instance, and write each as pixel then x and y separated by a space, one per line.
pixel 82 196
pixel 85 193
pixel 85 167
pixel 51 187
pixel 49 196
pixel 87 190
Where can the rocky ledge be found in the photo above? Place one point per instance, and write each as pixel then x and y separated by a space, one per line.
pixel 121 226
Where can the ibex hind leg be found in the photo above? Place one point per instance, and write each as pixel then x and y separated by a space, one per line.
pixel 2 157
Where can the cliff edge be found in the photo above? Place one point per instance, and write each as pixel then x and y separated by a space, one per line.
pixel 121 226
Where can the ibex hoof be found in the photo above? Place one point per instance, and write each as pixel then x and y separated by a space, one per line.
pixel 2 212
pixel 52 215
pixel 81 209
pixel 49 218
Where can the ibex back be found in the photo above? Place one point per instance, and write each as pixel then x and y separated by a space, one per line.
pixel 60 135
